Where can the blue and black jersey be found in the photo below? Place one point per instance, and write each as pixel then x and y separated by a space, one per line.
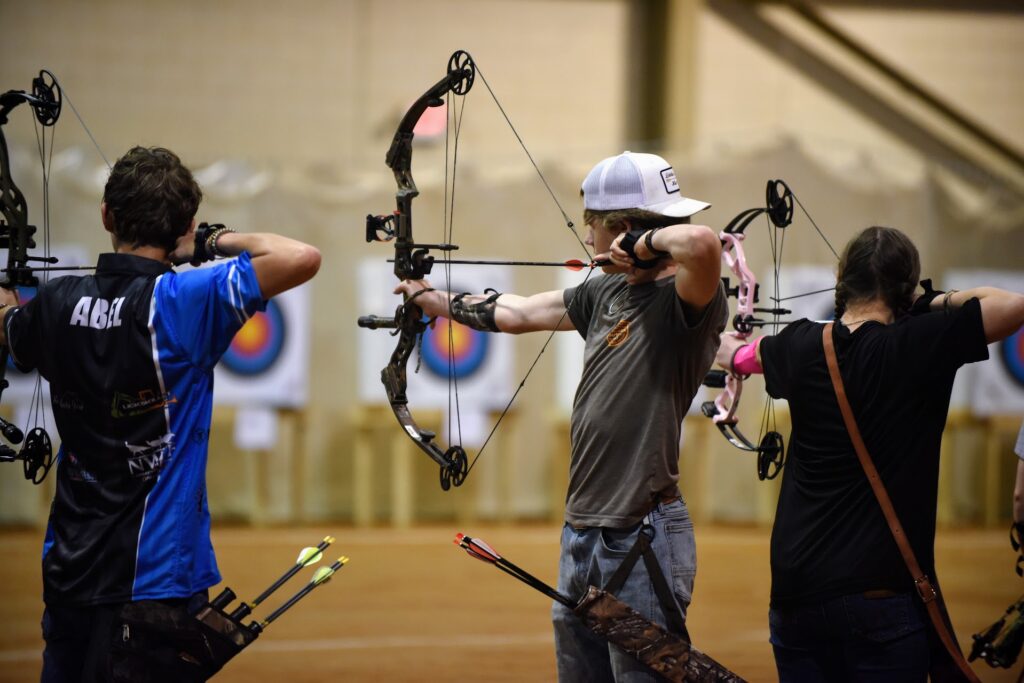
pixel 129 354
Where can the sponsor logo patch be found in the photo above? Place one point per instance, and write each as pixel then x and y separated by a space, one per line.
pixel 126 405
pixel 148 459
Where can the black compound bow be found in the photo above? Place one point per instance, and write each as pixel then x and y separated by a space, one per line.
pixel 16 235
pixel 413 261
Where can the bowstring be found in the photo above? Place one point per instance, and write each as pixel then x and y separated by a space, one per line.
pixel 576 291
pixel 45 148
pixel 451 148
pixel 565 216
pixel 37 411
pixel 777 242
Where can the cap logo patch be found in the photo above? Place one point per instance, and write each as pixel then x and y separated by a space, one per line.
pixel 668 177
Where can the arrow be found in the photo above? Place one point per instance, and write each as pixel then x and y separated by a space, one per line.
pixel 320 577
pixel 571 264
pixel 307 556
pixel 485 553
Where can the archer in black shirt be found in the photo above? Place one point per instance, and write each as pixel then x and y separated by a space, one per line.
pixel 843 602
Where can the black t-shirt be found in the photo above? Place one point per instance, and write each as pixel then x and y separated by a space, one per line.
pixel 830 537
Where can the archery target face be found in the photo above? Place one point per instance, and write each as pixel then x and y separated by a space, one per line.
pixel 1011 352
pixel 257 346
pixel 468 349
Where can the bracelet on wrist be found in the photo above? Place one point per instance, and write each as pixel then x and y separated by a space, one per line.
pixel 211 241
pixel 649 243
pixel 946 305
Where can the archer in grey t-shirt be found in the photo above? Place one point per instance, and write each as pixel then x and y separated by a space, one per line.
pixel 643 364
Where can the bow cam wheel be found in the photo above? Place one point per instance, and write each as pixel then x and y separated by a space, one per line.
pixel 454 473
pixel 37 454
pixel 46 89
pixel 462 61
pixel 771 456
pixel 779 201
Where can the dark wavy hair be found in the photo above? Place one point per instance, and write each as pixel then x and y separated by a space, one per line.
pixel 617 220
pixel 151 197
pixel 878 263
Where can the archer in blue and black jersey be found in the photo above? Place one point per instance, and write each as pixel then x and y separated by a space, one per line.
pixel 129 354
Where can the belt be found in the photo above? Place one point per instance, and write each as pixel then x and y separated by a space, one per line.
pixel 659 499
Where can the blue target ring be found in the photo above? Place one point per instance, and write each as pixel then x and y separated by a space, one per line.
pixel 1011 352
pixel 468 349
pixel 258 345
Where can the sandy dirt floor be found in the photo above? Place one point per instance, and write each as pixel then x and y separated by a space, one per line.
pixel 410 606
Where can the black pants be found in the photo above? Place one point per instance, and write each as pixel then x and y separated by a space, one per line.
pixel 78 640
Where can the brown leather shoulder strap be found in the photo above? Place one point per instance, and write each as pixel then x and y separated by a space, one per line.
pixel 932 600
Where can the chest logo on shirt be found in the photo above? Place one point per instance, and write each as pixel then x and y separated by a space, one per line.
pixel 148 459
pixel 97 313
pixel 619 334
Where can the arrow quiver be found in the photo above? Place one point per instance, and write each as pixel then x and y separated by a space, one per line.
pixel 666 651
pixel 1000 644
pixel 155 642
pixel 162 643
pixel 648 642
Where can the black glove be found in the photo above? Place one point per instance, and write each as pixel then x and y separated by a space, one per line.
pixel 204 249
pixel 923 303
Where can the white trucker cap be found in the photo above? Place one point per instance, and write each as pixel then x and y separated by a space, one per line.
pixel 637 181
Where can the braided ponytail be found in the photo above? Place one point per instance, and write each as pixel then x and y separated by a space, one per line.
pixel 879 263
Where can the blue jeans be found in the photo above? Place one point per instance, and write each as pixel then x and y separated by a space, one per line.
pixel 852 638
pixel 589 557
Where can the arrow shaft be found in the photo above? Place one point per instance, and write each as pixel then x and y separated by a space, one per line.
pixel 287 575
pixel 303 592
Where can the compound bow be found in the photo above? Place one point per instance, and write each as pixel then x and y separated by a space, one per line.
pixel 16 235
pixel 413 261
pixel 778 209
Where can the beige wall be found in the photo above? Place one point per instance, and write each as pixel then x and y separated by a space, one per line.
pixel 310 92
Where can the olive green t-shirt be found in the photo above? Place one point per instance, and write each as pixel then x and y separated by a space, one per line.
pixel 642 366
